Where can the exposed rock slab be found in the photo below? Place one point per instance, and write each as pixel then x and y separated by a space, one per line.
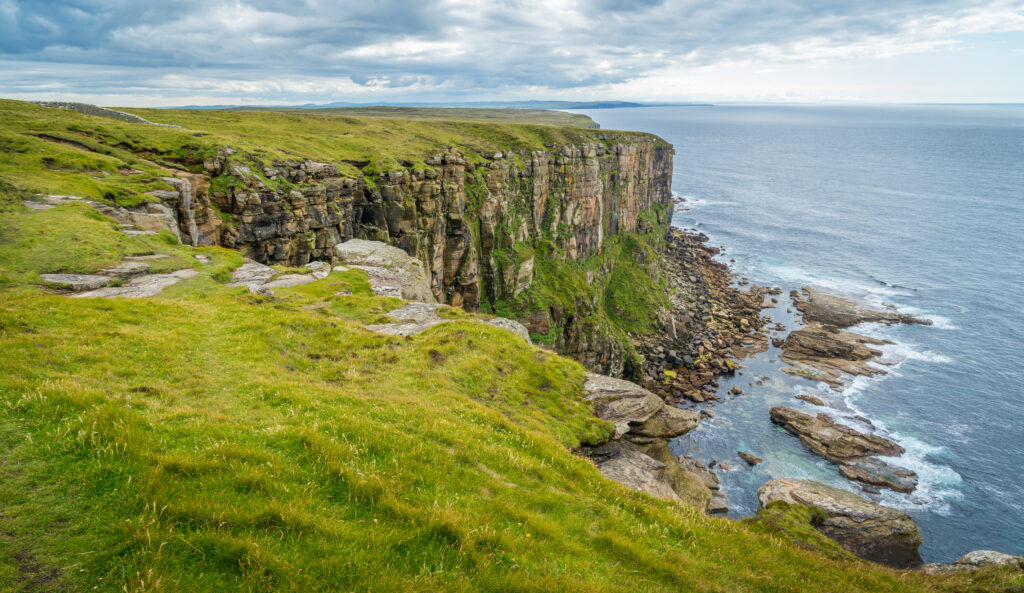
pixel 252 275
pixel 141 286
pixel 393 272
pixel 868 530
pixel 126 269
pixel 853 450
pixel 827 309
pixel 972 561
pixel 831 353
pixel 76 282
pixel 620 402
pixel 415 318
pixel 286 280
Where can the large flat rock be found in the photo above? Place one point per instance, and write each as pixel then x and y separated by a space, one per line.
pixel 140 286
pixel 835 311
pixel 869 530
pixel 76 282
pixel 416 318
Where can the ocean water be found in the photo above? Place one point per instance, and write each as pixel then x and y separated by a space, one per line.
pixel 918 206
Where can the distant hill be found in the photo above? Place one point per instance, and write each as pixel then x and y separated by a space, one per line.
pixel 531 104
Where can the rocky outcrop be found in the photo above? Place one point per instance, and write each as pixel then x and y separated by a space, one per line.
pixel 868 530
pixel 415 318
pixel 94 110
pixel 853 450
pixel 834 311
pixel 975 560
pixel 638 455
pixel 831 353
pixel 387 266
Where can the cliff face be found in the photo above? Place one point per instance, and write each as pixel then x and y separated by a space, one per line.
pixel 456 216
pixel 477 226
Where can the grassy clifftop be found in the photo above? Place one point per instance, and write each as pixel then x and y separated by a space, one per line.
pixel 211 440
pixel 57 151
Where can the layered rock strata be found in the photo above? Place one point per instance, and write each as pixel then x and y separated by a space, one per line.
pixel 868 530
pixel 637 454
pixel 855 452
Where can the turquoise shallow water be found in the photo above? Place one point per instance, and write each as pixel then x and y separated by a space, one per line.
pixel 922 207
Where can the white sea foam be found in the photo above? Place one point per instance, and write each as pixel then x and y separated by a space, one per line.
pixel 865 290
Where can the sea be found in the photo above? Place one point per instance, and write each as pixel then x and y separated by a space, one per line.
pixel 920 207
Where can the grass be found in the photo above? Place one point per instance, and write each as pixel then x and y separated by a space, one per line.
pixel 213 440
pixel 528 116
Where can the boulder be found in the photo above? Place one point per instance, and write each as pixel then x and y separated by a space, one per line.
pixel 623 462
pixel 810 399
pixel 623 403
pixel 668 422
pixel 392 271
pixel 749 458
pixel 866 529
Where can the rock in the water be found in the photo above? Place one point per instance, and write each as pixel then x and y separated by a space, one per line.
pixel 750 459
pixel 879 473
pixel 827 309
pixel 392 271
pixel 810 399
pixel 835 442
pixel 736 390
pixel 76 282
pixel 853 450
pixel 868 530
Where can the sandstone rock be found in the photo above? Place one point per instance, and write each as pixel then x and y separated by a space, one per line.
pixel 868 530
pixel 688 485
pixel 668 422
pixel 623 403
pixel 835 442
pixel 76 282
pixel 286 280
pixel 831 310
pixel 395 270
pixel 810 399
pixel 623 462
pixel 853 450
pixel 879 473
pixel 750 459
pixel 736 390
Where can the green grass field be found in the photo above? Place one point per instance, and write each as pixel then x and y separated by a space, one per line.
pixel 212 440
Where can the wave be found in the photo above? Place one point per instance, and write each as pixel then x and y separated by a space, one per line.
pixel 854 288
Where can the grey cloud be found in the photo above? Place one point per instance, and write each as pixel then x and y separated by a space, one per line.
pixel 488 45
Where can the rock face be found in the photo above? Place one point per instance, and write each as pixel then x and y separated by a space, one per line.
pixel 388 266
pixel 574 194
pixel 868 530
pixel 853 450
pixel 638 455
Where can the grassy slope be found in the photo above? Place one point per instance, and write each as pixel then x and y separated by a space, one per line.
pixel 211 440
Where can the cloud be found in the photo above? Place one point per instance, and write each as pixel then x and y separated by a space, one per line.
pixel 276 50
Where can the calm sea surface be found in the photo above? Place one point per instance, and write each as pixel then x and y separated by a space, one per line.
pixel 922 207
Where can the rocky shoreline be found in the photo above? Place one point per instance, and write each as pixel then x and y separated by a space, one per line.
pixel 710 325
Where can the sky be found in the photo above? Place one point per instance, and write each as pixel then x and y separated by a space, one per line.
pixel 274 52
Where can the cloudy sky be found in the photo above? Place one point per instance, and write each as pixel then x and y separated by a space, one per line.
pixel 177 52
